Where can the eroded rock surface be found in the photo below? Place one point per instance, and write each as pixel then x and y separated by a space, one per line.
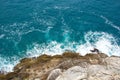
pixel 68 66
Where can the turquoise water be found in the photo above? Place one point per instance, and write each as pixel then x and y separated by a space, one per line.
pixel 29 28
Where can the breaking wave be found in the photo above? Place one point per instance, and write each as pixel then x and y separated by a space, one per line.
pixel 105 42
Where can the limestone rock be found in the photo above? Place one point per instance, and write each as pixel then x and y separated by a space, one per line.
pixel 54 74
pixel 113 63
pixel 68 66
pixel 74 73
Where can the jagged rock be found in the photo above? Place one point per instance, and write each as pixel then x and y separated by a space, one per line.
pixel 68 66
pixel 113 63
pixel 109 71
pixel 74 73
pixel 98 72
pixel 54 74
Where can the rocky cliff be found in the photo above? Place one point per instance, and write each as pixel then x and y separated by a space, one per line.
pixel 68 66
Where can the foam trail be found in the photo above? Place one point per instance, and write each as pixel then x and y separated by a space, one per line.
pixel 107 21
pixel 47 36
pixel 2 35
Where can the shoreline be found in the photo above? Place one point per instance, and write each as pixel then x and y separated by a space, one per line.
pixel 42 67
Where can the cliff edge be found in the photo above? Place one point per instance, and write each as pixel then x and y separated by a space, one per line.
pixel 67 66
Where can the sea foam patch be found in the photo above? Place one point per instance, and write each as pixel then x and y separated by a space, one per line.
pixel 2 35
pixel 105 42
pixel 107 21
pixel 7 63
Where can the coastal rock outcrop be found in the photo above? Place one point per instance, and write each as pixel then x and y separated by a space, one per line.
pixel 108 71
pixel 74 73
pixel 67 66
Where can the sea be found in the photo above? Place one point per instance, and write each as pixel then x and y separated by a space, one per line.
pixel 29 28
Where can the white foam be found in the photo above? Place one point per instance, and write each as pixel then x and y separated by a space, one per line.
pixel 17 30
pixel 2 35
pixel 107 21
pixel 105 42
pixel 61 7
pixel 6 64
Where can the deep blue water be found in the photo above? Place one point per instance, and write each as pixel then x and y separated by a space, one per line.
pixel 32 27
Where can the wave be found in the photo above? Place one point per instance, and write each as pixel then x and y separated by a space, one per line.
pixel 105 42
pixel 7 63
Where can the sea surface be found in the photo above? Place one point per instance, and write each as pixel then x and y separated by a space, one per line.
pixel 29 28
